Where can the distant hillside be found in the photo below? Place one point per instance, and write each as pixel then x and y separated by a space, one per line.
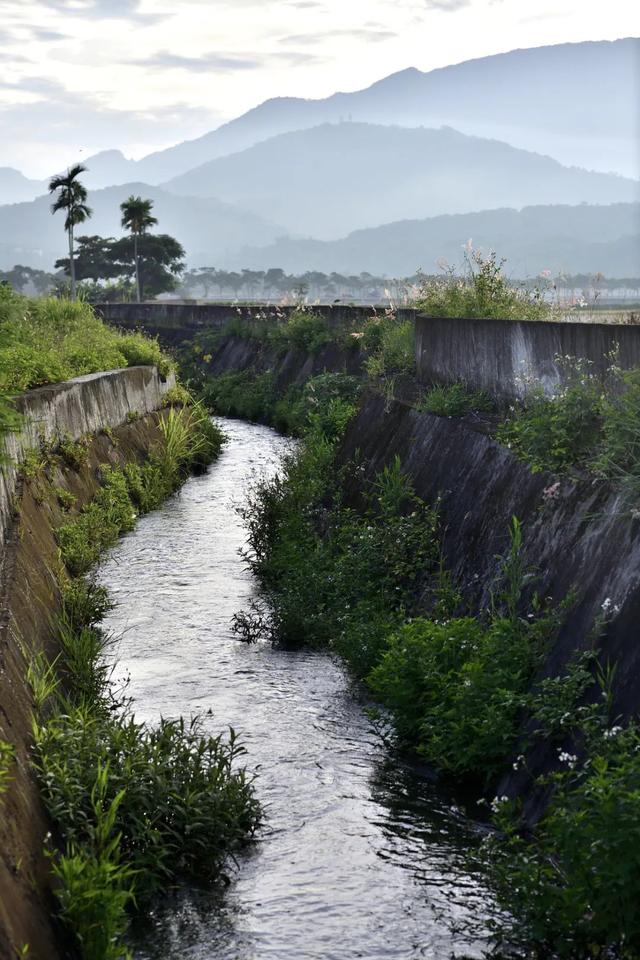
pixel 330 180
pixel 575 102
pixel 578 239
pixel 209 230
pixel 14 187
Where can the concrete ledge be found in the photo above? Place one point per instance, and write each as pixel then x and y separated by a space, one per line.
pixel 77 407
pixel 507 357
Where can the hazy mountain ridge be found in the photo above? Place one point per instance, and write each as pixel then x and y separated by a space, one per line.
pixel 332 179
pixel 15 187
pixel 207 228
pixel 573 101
pixel 573 239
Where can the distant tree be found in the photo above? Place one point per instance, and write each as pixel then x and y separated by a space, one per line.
pixel 156 260
pixel 72 196
pixel 94 259
pixel 137 217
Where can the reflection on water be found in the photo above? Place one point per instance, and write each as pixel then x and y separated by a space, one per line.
pixel 359 857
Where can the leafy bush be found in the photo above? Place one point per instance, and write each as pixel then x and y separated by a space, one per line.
pixel 454 400
pixel 304 330
pixel 48 340
pixel 334 576
pixel 574 886
pixel 559 432
pixel 482 291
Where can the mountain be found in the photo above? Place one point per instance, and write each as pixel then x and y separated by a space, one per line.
pixel 15 187
pixel 335 178
pixel 209 230
pixel 576 102
pixel 574 239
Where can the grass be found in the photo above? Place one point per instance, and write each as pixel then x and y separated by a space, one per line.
pixel 454 400
pixel 7 756
pixel 48 340
pixel 481 291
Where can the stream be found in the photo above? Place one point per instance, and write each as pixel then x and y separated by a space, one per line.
pixel 359 856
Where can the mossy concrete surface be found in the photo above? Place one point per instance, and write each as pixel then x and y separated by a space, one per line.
pixel 29 601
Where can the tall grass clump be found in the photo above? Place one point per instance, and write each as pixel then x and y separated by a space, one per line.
pixel 454 400
pixel 48 340
pixel 483 290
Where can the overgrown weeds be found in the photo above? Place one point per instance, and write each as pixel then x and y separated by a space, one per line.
pixel 47 340
pixel 454 400
pixel 482 290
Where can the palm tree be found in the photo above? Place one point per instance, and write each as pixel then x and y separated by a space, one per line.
pixel 136 217
pixel 71 198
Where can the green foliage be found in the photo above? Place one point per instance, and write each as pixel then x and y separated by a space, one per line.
pixel 304 330
pixel 48 340
pixel 7 756
pixel 557 432
pixel 10 421
pixel 98 526
pixel 65 498
pixel 456 688
pixel 335 576
pixel 574 886
pixel 619 455
pixel 177 396
pixel 389 344
pixel 454 400
pixel 482 291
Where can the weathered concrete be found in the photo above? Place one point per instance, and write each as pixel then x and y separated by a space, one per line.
pixel 506 358
pixel 579 538
pixel 31 512
pixel 174 322
pixel 76 408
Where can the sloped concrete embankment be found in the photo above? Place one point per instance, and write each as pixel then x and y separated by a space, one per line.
pixel 579 537
pixel 29 599
pixel 292 367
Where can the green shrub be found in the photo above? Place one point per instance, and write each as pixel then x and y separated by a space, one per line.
pixel 454 400
pixel 573 887
pixel 304 330
pixel 456 688
pixel 190 441
pixel 334 576
pixel 482 291
pixel 559 432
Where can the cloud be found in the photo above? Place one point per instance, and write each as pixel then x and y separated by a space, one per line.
pixel 372 34
pixel 105 10
pixel 166 60
pixel 447 6
pixel 38 33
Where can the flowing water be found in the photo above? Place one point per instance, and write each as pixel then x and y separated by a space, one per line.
pixel 359 856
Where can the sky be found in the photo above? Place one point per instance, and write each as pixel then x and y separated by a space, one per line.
pixel 80 76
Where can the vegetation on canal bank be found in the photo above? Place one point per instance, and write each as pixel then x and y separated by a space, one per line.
pixel 354 573
pixel 49 340
pixel 136 808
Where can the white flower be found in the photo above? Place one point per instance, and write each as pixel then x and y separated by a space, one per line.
pixel 613 732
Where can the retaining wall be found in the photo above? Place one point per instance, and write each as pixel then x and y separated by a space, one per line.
pixel 174 322
pixel 507 357
pixel 78 407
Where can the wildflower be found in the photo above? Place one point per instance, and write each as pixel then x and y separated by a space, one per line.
pixel 497 802
pixel 569 758
pixel 612 732
pixel 552 492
